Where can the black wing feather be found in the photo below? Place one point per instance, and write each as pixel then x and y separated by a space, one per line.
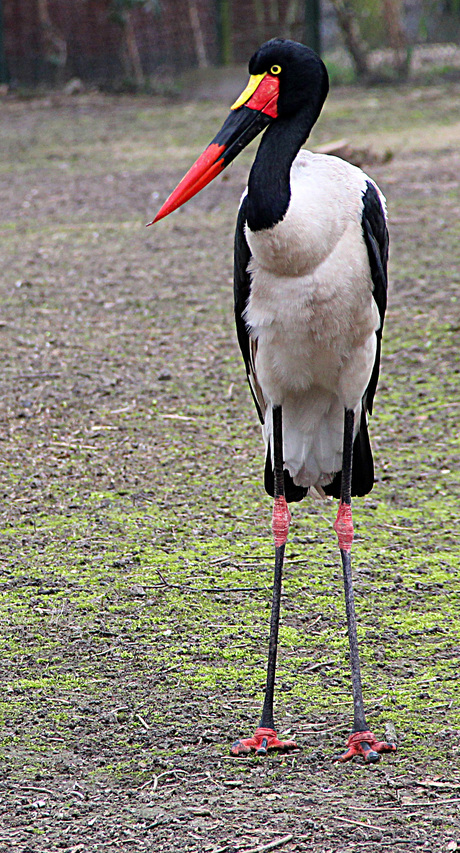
pixel 241 291
pixel 375 235
pixel 362 472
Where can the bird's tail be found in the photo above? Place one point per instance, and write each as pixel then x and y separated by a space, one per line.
pixel 291 491
pixel 362 477
pixel 362 473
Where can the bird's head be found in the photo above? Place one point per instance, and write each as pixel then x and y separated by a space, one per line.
pixel 296 72
pixel 286 79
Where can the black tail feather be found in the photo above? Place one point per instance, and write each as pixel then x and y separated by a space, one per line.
pixel 362 477
pixel 291 491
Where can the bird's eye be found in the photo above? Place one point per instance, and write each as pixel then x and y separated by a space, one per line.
pixel 275 69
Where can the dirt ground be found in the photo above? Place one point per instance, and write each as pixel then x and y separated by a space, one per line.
pixel 136 554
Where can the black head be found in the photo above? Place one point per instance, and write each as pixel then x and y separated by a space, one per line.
pixel 303 78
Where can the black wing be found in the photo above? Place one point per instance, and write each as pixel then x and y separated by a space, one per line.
pixel 241 290
pixel 376 238
pixel 375 235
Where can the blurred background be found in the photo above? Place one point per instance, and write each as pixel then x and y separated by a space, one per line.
pixel 147 45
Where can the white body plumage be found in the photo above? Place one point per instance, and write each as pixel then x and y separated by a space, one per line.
pixel 312 314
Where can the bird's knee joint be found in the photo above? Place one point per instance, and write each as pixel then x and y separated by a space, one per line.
pixel 343 526
pixel 280 521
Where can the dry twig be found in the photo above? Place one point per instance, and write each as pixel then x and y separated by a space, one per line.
pixel 359 823
pixel 278 842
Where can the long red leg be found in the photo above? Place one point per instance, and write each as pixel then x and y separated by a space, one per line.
pixel 361 741
pixel 265 736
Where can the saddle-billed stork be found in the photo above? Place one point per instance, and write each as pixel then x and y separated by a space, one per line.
pixel 310 289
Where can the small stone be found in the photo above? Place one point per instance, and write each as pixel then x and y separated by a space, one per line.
pixel 390 733
pixel 137 591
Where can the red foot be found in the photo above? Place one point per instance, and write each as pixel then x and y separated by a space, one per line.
pixel 366 745
pixel 280 521
pixel 261 742
pixel 343 526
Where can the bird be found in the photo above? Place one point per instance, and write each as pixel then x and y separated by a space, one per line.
pixel 310 294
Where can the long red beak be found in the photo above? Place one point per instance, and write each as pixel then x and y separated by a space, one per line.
pixel 242 125
pixel 203 171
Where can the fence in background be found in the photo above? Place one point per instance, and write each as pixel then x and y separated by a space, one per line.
pixel 46 40
pixel 104 40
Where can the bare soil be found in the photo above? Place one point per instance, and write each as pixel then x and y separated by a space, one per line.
pixel 136 554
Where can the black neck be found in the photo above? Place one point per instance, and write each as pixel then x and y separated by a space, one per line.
pixel 269 188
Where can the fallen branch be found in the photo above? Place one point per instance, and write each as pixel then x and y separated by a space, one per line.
pixel 430 803
pixel 154 781
pixel 142 722
pixel 271 845
pixel 359 823
pixel 38 790
pixel 217 784
pixel 186 588
pixel 33 376
pixel 320 665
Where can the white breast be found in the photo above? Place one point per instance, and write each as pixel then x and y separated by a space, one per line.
pixel 312 313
